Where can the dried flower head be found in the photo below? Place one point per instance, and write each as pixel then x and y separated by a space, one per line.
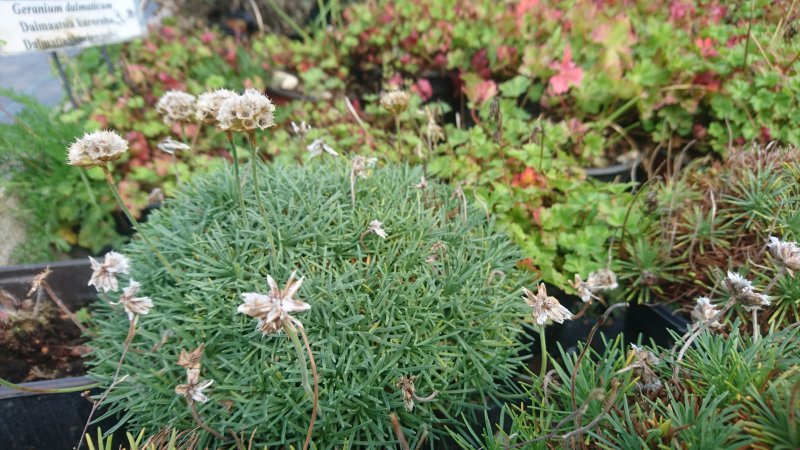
pixel 438 250
pixel 191 360
pixel 742 291
pixel 208 105
pixel 176 106
pixel 423 184
pixel 434 132
pixel 193 389
pixel 318 146
pixel 642 362
pixel 395 101
pixel 786 253
pixel 171 146
pixel 301 130
pixel 376 226
pixel 246 112
pixel 273 309
pixel 132 304
pixel 406 385
pixel 37 281
pixel 104 276
pixel 545 307
pixel 705 312
pixel 601 280
pixel 97 148
pixel 361 164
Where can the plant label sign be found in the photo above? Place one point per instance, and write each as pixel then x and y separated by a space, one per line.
pixel 34 26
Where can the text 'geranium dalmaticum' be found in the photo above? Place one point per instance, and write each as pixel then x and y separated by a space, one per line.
pixel 742 291
pixel 545 307
pixel 246 112
pixel 132 304
pixel 274 309
pixel 96 149
pixel 104 276
pixel 786 253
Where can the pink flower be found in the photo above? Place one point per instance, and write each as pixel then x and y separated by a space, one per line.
pixel 480 92
pixel 706 47
pixel 423 88
pixel 569 74
pixel 207 37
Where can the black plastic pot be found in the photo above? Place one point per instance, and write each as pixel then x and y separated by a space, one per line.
pixel 618 173
pixel 49 421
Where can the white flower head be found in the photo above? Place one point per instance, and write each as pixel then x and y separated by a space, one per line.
pixel 705 312
pixel 171 146
pixel 361 165
pixel 95 149
pixel 601 280
pixel 193 389
pixel 132 304
pixel 208 105
pixel 274 308
pixel 786 253
pixel 395 101
pixel 376 226
pixel 545 307
pixel 301 130
pixel 318 146
pixel 642 365
pixel 246 112
pixel 741 290
pixel 176 106
pixel 104 276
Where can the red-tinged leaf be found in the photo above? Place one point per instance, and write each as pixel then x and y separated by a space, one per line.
pixel 478 91
pixel 706 47
pixel 423 88
pixel 569 74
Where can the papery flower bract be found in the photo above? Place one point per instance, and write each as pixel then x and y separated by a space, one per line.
pixel 601 280
pixel 104 276
pixel 132 304
pixel 301 130
pixel 642 366
pixel 395 101
pixel 735 284
pixel 171 146
pixel 208 105
pixel 361 164
pixel 742 291
pixel 786 253
pixel 176 106
pixel 193 389
pixel 406 385
pixel 423 184
pixel 191 360
pixel 376 226
pixel 273 309
pixel 705 312
pixel 318 146
pixel 95 149
pixel 545 307
pixel 246 112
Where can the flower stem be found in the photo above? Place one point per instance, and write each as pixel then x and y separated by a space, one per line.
pixel 543 344
pixel 254 164
pixel 113 185
pixel 396 131
pixel 236 171
pixel 756 332
pixel 301 357
pixel 316 388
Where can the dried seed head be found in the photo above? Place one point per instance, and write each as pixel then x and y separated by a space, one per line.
pixel 208 105
pixel 742 291
pixel 705 312
pixel 301 130
pixel 38 280
pixel 434 132
pixel 193 389
pixel 273 309
pixel 545 307
pixel 642 365
pixel 132 304
pixel 104 276
pixel 601 280
pixel 246 112
pixel 191 360
pixel 171 146
pixel 423 184
pixel 318 146
pixel 395 101
pixel 176 106
pixel 361 164
pixel 786 253
pixel 406 385
pixel 376 227
pixel 95 149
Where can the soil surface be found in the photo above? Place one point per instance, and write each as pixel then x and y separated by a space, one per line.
pixel 38 343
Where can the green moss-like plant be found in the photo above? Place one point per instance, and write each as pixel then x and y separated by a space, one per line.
pixel 437 299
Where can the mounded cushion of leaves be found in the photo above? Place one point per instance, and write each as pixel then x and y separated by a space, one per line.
pixel 380 309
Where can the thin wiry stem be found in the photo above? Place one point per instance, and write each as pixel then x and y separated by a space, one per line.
pixel 254 164
pixel 398 431
pixel 200 423
pixel 236 171
pixel 316 387
pixel 115 191
pixel 64 308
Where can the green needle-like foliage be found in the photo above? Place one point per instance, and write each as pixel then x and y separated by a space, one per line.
pixel 428 301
